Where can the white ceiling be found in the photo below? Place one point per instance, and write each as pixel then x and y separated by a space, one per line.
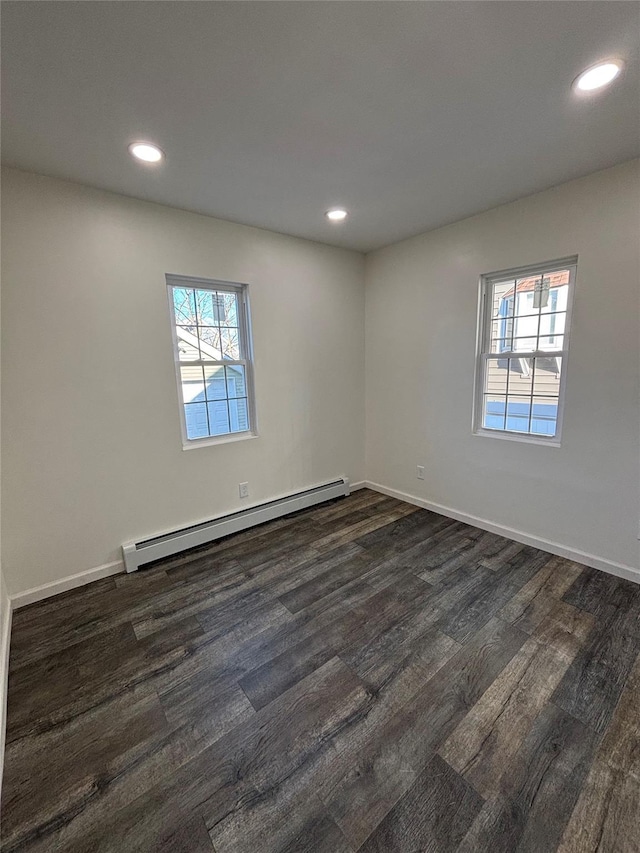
pixel 409 114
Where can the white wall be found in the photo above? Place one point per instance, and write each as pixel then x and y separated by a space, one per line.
pixel 91 437
pixel 421 308
pixel 5 632
pixel 92 453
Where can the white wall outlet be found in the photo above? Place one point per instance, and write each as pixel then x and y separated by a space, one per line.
pixel 420 472
pixel 243 490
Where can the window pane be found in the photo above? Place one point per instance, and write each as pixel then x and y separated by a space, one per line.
pixel 236 385
pixel 214 382
pixel 525 297
pixel 518 411
pixel 546 379
pixel 520 377
pixel 195 415
pixel 502 299
pixel 502 312
pixel 515 344
pixel 551 343
pixel 210 343
pixel 218 417
pixel 192 384
pixel 184 305
pixel 493 411
pixel 500 344
pixel 552 330
pixel 525 344
pixel 558 292
pixel 210 306
pixel 545 415
pixel 230 344
pixel 188 346
pixel 239 414
pixel 496 376
pixel 229 316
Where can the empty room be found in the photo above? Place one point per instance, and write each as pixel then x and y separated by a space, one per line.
pixel 320 426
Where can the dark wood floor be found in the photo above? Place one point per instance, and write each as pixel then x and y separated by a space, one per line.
pixel 362 676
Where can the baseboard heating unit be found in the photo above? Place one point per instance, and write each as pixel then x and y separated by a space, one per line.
pixel 136 554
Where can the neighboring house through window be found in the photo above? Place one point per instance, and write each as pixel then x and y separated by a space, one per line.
pixel 523 341
pixel 212 349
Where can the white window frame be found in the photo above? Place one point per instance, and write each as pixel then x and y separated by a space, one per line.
pixel 246 350
pixel 483 348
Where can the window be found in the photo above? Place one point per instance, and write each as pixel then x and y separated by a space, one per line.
pixel 523 340
pixel 212 349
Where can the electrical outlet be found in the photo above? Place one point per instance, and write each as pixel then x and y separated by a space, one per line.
pixel 420 472
pixel 243 490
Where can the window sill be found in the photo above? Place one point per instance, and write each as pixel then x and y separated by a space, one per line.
pixel 514 436
pixel 218 439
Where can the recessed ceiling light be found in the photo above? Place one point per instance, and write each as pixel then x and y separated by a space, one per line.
pixel 598 76
pixel 146 152
pixel 336 215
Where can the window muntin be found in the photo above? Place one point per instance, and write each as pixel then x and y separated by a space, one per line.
pixel 212 350
pixel 522 351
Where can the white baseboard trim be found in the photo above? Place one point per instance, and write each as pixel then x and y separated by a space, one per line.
pixel 5 620
pixel 47 590
pixel 595 562
pixel 38 593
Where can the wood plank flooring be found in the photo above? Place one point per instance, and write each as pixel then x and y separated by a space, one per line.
pixel 361 676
